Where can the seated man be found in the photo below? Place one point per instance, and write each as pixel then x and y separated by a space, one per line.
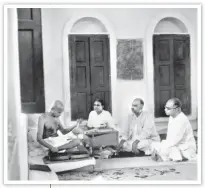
pixel 140 131
pixel 48 127
pixel 180 143
pixel 100 128
pixel 100 118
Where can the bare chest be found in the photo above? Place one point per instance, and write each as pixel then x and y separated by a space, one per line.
pixel 51 124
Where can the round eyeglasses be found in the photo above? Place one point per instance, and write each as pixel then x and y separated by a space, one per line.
pixel 96 105
pixel 168 108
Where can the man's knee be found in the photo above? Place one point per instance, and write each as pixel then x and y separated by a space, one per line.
pixel 127 146
pixel 189 154
pixel 143 144
pixel 175 154
pixel 77 130
pixel 77 141
pixel 86 140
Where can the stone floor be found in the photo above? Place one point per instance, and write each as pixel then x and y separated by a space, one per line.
pixel 142 169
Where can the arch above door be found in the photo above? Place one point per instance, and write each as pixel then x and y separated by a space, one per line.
pixel 170 25
pixel 87 25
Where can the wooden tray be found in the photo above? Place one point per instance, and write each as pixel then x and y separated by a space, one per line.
pixel 96 132
pixel 108 139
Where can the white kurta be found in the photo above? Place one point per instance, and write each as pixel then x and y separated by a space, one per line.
pixel 140 128
pixel 104 119
pixel 180 142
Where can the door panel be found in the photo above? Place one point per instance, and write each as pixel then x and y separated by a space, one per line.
pixel 163 66
pixel 164 70
pixel 100 70
pixel 26 70
pixel 80 76
pixel 98 49
pixel 172 71
pixel 165 94
pixel 31 60
pixel 164 50
pixel 184 97
pixel 25 13
pixel 182 71
pixel 98 76
pixel 179 74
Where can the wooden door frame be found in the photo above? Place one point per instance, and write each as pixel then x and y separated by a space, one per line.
pixel 66 60
pixel 149 63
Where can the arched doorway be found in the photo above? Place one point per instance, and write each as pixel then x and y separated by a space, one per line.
pixel 171 48
pixel 149 60
pixel 97 28
pixel 89 66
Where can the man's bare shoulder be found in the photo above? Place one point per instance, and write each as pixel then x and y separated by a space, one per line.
pixel 43 116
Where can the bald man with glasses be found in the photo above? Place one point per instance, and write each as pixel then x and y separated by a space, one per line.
pixel 180 143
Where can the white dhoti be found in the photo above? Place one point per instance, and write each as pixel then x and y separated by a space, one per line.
pixel 140 128
pixel 174 153
pixel 143 145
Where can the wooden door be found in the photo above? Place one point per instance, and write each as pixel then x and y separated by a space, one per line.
pixel 99 67
pixel 171 71
pixel 79 76
pixel 31 60
pixel 182 73
pixel 89 73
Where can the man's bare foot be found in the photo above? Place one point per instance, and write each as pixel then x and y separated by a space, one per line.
pixel 154 156
pixel 83 149
pixel 159 159
pixel 137 152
